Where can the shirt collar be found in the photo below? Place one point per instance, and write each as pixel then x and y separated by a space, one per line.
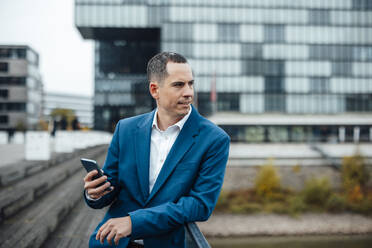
pixel 179 124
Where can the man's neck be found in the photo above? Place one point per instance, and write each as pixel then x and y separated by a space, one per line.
pixel 165 121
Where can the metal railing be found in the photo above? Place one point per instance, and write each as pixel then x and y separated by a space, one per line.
pixel 194 237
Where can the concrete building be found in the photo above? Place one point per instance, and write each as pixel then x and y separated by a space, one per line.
pixel 81 105
pixel 20 88
pixel 286 71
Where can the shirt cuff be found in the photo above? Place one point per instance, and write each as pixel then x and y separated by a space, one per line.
pixel 89 198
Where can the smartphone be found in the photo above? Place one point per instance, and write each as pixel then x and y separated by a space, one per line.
pixel 90 165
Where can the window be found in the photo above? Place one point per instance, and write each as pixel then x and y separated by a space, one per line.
pixel 228 101
pixel 274 33
pixel 16 106
pixel 4 53
pixel 228 32
pixel 274 85
pixel 363 53
pixel 275 99
pixel 252 50
pixel 4 93
pixel 265 67
pixel 4 67
pixel 362 4
pixel 3 119
pixel 21 53
pixel 359 102
pixel 319 85
pixel 319 17
pixel 342 69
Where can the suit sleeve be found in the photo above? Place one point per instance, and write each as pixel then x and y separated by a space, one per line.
pixel 110 169
pixel 196 206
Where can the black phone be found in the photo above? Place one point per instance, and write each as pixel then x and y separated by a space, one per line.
pixel 90 165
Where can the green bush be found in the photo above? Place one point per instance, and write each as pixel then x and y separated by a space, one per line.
pixel 222 202
pixel 245 208
pixel 355 177
pixel 296 204
pixel 336 203
pixel 316 192
pixel 267 182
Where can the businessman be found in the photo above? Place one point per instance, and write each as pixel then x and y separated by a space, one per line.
pixel 163 169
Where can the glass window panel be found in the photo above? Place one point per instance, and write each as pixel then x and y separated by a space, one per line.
pixel 281 51
pixel 362 69
pixel 308 68
pixel 217 50
pixel 274 85
pixel 251 50
pixel 274 33
pixel 319 16
pixel 297 85
pixel 228 32
pixel 177 31
pixel 204 32
pixel 362 4
pixel 319 85
pixel 4 67
pixel 278 134
pixel 228 101
pixel 186 49
pixel 341 69
pixel 362 53
pixel 251 33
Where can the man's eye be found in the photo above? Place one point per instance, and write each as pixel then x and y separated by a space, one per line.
pixel 178 84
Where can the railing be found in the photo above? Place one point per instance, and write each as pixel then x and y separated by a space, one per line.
pixel 194 237
pixel 332 161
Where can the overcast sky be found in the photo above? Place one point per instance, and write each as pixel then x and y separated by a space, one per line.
pixel 66 60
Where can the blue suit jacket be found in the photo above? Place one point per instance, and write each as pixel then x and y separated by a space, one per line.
pixel 186 189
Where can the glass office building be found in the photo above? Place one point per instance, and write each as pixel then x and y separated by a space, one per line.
pixel 308 60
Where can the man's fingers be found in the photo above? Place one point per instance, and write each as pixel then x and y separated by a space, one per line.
pixel 99 190
pixel 88 177
pixel 104 234
pixel 95 183
pixel 110 236
pixel 117 238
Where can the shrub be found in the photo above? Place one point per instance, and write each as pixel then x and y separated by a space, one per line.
pixel 222 202
pixel 296 204
pixel 267 182
pixel 245 208
pixel 354 176
pixel 316 191
pixel 336 203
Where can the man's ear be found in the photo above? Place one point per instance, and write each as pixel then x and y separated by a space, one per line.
pixel 154 90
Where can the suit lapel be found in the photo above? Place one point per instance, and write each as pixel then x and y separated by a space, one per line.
pixel 183 143
pixel 142 150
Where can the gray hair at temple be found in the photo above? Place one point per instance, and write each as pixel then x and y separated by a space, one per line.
pixel 157 65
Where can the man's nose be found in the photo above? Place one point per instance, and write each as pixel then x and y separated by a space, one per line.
pixel 188 91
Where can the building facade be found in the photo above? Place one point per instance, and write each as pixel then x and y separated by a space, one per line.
pixel 20 88
pixel 257 58
pixel 81 105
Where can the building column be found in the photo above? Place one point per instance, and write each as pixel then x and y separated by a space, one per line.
pixel 356 134
pixel 341 134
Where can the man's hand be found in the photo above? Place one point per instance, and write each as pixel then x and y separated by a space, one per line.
pixel 115 227
pixel 91 188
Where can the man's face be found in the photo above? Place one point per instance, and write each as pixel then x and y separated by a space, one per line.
pixel 175 94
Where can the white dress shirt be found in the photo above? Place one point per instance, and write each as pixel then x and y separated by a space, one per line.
pixel 161 143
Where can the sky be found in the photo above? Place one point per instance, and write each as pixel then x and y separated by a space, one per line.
pixel 47 26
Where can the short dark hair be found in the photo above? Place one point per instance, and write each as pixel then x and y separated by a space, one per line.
pixel 157 65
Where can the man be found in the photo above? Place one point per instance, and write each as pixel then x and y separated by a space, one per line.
pixel 164 168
